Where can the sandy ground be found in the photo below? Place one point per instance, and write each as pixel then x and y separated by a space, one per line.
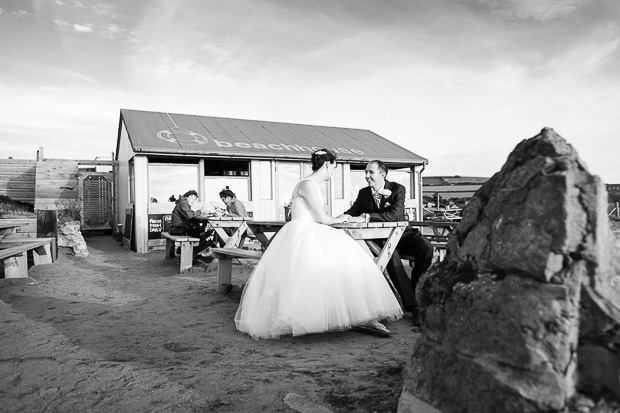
pixel 121 331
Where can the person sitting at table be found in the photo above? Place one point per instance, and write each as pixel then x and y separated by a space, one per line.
pixel 314 278
pixel 184 222
pixel 382 201
pixel 234 207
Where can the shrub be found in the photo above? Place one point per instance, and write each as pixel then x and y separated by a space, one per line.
pixel 10 207
pixel 68 210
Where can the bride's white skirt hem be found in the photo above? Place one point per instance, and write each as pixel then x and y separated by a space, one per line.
pixel 313 279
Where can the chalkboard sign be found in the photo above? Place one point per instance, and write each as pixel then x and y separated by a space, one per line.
pixel 128 228
pixel 158 223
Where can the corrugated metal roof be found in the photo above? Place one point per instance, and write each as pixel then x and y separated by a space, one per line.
pixel 178 134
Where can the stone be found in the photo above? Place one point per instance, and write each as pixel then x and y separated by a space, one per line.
pixel 530 283
pixel 70 235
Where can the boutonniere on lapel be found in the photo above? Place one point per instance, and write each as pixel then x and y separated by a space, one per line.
pixel 385 193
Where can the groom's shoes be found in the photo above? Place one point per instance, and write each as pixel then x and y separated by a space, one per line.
pixel 415 315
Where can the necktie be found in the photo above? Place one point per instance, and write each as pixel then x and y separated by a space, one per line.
pixel 377 197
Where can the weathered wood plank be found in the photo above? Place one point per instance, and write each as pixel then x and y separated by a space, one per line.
pixel 18 161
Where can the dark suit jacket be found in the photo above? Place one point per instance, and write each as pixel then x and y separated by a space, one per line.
pixel 391 208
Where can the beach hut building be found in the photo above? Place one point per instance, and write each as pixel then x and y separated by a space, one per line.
pixel 163 155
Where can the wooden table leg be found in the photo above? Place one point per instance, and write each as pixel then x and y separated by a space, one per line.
pixel 17 266
pixel 389 247
pixel 223 236
pixel 394 266
pixel 224 274
pixel 235 239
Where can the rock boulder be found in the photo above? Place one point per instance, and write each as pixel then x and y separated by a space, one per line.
pixel 529 287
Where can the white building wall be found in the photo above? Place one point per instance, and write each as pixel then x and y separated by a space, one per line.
pixel 124 154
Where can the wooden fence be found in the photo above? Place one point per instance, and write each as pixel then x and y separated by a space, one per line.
pixel 17 179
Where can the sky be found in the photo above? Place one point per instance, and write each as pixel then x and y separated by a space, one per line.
pixel 460 83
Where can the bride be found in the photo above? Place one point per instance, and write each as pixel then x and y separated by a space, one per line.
pixel 314 278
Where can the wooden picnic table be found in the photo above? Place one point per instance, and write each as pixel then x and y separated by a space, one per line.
pixel 439 228
pixel 441 232
pixel 264 231
pixel 378 239
pixel 231 230
pixel 366 234
pixel 443 214
pixel 6 229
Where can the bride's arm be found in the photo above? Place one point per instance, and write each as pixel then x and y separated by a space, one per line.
pixel 307 191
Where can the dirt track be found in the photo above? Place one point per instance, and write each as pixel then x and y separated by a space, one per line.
pixel 120 331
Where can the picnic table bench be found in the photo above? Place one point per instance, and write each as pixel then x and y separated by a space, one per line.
pixel 14 255
pixel 7 229
pixel 224 267
pixel 187 249
pixel 441 232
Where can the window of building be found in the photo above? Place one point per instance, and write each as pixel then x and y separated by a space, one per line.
pixel 307 171
pixel 215 184
pixel 357 181
pixel 166 180
pixel 402 176
pixel 227 167
pixel 288 174
pixel 231 173
pixel 338 182
pixel 132 182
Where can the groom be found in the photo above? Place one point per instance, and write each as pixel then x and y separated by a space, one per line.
pixel 384 201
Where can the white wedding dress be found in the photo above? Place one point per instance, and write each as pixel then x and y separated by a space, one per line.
pixel 313 278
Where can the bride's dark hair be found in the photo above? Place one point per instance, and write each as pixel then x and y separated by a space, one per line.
pixel 320 157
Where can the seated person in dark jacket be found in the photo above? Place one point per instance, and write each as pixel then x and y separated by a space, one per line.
pixel 382 201
pixel 183 222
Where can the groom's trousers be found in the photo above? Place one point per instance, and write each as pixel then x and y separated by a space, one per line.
pixel 412 244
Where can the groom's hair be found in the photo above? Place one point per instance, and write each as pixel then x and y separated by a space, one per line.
pixel 320 157
pixel 381 165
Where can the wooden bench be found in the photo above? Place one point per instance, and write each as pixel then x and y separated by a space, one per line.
pixel 224 267
pixel 187 249
pixel 14 255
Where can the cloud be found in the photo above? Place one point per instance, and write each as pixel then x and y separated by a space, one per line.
pixel 112 31
pixel 19 14
pixel 106 9
pixel 541 10
pixel 78 5
pixel 60 23
pixel 78 28
pixel 76 76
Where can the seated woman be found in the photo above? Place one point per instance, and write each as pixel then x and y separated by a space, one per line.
pixel 183 222
pixel 234 207
pixel 314 278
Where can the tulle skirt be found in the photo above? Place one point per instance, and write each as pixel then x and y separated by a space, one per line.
pixel 313 278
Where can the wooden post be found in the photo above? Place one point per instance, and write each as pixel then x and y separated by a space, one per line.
pixel 47 227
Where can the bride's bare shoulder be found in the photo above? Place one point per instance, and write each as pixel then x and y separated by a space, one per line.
pixel 304 186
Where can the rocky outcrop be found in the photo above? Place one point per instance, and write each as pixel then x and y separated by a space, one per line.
pixel 69 235
pixel 524 312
